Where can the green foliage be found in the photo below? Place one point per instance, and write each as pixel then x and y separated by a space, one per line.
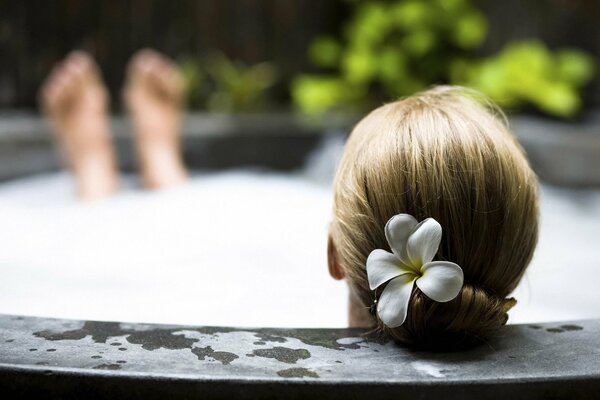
pixel 219 84
pixel 527 72
pixel 193 81
pixel 317 93
pixel 397 47
pixel 393 48
pixel 324 52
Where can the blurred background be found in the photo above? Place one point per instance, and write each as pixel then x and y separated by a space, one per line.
pixel 538 56
pixel 272 88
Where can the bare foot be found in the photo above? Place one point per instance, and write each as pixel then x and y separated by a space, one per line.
pixel 74 100
pixel 154 98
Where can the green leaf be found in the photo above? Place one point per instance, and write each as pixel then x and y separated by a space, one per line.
pixel 359 65
pixel 575 67
pixel 318 94
pixel 558 99
pixel 410 15
pixel 392 65
pixel 324 52
pixel 419 42
pixel 452 6
pixel 470 30
pixel 261 76
pixel 493 79
pixel 369 25
pixel 527 59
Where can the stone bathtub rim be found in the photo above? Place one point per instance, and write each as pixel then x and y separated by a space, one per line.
pixel 530 361
pixel 258 380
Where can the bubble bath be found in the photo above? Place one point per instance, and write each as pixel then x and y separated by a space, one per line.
pixel 238 248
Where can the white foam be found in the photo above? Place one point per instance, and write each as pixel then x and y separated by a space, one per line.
pixel 239 248
pixel 561 283
pixel 236 248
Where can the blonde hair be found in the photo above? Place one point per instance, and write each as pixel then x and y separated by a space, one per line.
pixel 440 154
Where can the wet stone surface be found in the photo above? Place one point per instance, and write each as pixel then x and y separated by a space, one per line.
pixel 283 354
pixel 223 356
pixel 297 373
pixel 525 352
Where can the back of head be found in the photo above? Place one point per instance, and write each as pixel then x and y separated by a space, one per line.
pixel 445 155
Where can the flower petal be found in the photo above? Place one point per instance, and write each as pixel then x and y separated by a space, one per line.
pixel 392 306
pixel 397 231
pixel 441 280
pixel 424 242
pixel 383 266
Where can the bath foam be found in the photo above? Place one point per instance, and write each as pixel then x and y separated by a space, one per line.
pixel 232 249
pixel 238 248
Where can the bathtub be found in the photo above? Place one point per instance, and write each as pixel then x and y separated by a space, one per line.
pixel 242 245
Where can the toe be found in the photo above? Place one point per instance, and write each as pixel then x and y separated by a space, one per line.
pixel 47 97
pixel 83 61
pixel 60 79
pixel 54 92
pixel 170 80
pixel 139 60
pixel 70 78
pixel 76 69
pixel 51 79
pixel 84 67
pixel 79 56
pixel 153 76
pixel 163 74
pixel 138 67
pixel 46 91
pixel 149 54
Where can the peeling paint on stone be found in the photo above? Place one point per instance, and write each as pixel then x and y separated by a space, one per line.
pixel 163 338
pixel 224 357
pixel 283 354
pixel 108 366
pixel 99 331
pixel 213 330
pixel 297 373
pixel 571 327
pixel 312 337
pixel 156 339
pixel 268 337
pixel 323 356
pixel 564 328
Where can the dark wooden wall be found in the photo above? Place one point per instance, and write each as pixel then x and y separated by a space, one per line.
pixel 34 34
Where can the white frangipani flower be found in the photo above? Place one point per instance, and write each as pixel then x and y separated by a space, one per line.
pixel 414 244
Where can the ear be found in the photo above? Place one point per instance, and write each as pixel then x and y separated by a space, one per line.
pixel 335 269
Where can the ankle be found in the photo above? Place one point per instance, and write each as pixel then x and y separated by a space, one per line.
pixel 161 167
pixel 96 176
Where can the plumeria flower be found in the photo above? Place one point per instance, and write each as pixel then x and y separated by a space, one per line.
pixel 413 245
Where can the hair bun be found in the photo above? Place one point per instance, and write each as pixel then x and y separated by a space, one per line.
pixel 467 320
